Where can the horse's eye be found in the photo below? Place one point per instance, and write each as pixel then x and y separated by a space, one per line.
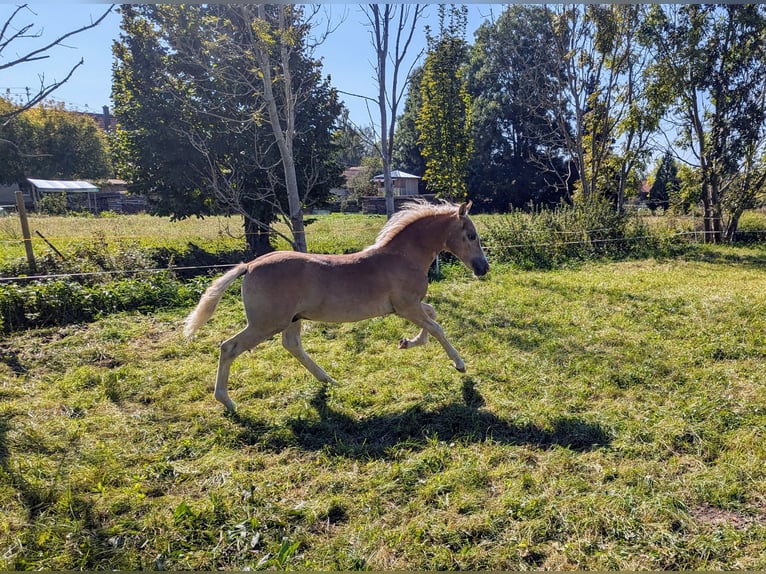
pixel 471 236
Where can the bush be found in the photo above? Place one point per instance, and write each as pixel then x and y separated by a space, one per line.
pixel 53 204
pixel 63 302
pixel 548 238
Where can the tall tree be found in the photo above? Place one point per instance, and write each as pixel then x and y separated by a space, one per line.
pixel 710 63
pixel 444 122
pixel 406 154
pixel 603 114
pixel 666 183
pixel 245 104
pixel 512 79
pixel 392 27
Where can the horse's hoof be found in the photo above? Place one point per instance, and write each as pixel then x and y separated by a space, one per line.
pixel 404 343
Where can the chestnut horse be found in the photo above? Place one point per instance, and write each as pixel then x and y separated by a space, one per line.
pixel 390 276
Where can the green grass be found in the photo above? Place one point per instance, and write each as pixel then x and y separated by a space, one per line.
pixel 612 417
pixel 71 235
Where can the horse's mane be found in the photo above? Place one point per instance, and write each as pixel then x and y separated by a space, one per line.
pixel 410 212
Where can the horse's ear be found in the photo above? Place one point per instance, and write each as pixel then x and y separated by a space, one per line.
pixel 465 208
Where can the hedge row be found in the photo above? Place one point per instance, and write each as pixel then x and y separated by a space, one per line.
pixel 60 302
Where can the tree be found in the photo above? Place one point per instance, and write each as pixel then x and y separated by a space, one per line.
pixel 352 142
pixel 666 183
pixel 603 114
pixel 512 79
pixel 406 151
pixel 711 67
pixel 404 19
pixel 53 143
pixel 234 87
pixel 11 55
pixel 445 115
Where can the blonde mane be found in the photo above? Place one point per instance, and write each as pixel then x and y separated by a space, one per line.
pixel 410 212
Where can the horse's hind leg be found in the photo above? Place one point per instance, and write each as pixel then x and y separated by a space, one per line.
pixel 291 340
pixel 422 337
pixel 232 348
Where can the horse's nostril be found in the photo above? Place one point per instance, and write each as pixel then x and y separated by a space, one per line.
pixel 480 267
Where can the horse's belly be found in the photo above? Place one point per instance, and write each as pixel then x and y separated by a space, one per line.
pixel 346 310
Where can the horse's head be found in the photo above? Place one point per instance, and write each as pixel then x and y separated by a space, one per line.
pixel 463 242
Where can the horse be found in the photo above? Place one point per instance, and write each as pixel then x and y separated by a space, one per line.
pixel 283 288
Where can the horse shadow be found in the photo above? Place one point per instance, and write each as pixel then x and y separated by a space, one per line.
pixel 380 436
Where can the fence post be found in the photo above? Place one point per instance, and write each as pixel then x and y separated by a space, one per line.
pixel 25 232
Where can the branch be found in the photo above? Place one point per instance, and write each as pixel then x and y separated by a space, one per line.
pixel 39 54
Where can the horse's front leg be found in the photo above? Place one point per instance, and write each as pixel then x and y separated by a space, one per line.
pixel 422 337
pixel 421 317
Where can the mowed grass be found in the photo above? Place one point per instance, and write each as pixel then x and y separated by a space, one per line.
pixel 612 417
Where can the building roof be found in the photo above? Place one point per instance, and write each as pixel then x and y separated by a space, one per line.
pixel 44 185
pixel 396 174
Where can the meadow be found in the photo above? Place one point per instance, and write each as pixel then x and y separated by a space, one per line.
pixel 612 416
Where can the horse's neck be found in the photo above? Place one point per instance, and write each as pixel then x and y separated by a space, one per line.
pixel 422 240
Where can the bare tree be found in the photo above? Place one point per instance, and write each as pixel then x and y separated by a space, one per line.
pixel 11 33
pixel 392 29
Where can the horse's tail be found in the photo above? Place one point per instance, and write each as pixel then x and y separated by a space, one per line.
pixel 210 298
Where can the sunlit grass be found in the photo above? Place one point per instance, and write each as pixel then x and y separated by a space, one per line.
pixel 612 417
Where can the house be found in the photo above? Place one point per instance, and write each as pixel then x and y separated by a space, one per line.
pixel 340 193
pixel 105 120
pixel 406 187
pixel 403 183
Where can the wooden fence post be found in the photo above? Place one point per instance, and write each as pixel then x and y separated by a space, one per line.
pixel 25 232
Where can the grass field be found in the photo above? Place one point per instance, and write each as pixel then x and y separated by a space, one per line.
pixel 612 417
pixel 333 233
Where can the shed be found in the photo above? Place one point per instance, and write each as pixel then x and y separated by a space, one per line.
pixel 403 183
pixel 74 190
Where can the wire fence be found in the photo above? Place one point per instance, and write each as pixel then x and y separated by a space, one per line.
pixel 698 236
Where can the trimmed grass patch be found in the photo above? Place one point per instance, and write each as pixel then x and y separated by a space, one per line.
pixel 612 417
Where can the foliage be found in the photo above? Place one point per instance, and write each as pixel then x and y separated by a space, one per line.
pixel 716 52
pixel 193 128
pixel 62 302
pixel 53 204
pixel 602 425
pixel 406 152
pixel 51 142
pixel 666 184
pixel 444 119
pixel 549 238
pixel 361 183
pixel 352 142
pixel 512 80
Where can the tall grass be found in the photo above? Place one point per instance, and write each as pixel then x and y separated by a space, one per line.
pixel 548 238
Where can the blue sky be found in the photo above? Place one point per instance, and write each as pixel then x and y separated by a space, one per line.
pixel 347 53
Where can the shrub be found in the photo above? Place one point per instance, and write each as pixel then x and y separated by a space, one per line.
pixel 62 302
pixel 53 204
pixel 547 238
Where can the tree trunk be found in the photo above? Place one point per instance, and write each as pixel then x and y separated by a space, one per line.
pixel 258 239
pixel 283 135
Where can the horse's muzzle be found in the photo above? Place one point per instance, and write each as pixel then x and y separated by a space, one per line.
pixel 480 266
